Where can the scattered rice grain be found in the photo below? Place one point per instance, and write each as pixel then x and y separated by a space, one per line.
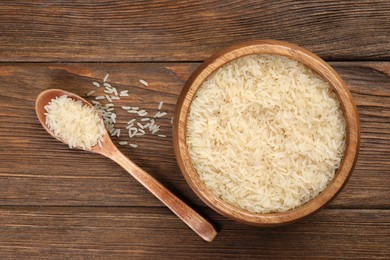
pixel 143 82
pixel 142 113
pixel 162 114
pixel 90 93
pixel 124 93
pixel 106 77
pixel 113 117
pixel 115 132
pixel 108 86
pixel 131 121
pixel 160 105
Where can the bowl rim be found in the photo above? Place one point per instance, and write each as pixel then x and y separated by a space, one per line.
pixel 291 51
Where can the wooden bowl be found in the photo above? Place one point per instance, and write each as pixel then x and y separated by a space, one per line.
pixel 310 60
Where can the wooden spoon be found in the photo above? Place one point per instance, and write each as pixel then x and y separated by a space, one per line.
pixel 196 222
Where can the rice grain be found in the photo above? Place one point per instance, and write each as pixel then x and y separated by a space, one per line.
pixel 265 133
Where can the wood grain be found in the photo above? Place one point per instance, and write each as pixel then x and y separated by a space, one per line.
pixel 35 169
pixel 57 203
pixel 188 30
pixel 154 233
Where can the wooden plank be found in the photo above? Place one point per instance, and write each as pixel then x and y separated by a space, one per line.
pixel 155 233
pixel 370 86
pixel 35 169
pixel 188 30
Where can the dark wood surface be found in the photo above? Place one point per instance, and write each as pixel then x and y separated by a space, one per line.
pixel 188 30
pixel 59 203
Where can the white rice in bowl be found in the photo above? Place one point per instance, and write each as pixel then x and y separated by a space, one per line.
pixel 265 133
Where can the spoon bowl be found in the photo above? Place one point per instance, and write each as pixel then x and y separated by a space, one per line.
pixel 196 222
pixel 44 98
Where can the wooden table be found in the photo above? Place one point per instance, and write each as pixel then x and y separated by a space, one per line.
pixel 60 203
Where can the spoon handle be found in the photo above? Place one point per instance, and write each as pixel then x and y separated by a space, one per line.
pixel 196 222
